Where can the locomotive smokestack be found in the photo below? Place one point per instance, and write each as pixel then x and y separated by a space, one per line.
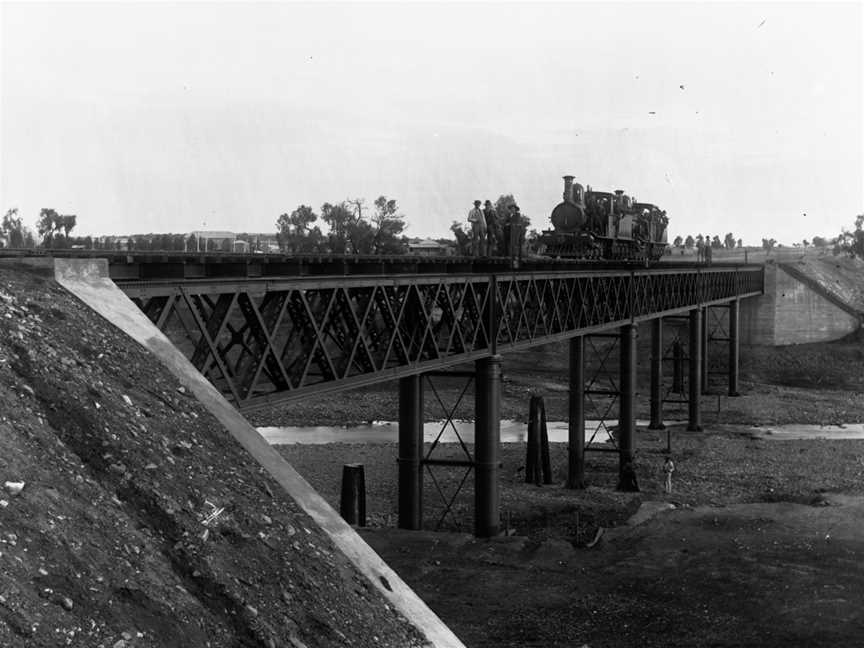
pixel 568 187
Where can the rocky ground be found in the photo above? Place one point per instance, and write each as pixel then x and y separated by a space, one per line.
pixel 140 522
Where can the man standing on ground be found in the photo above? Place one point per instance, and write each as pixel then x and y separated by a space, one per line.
pixel 668 469
pixel 478 230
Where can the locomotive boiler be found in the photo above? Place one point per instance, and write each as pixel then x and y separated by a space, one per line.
pixel 601 225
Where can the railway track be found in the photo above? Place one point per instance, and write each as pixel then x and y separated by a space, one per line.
pixel 172 264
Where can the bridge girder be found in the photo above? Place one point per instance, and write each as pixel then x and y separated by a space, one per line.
pixel 270 340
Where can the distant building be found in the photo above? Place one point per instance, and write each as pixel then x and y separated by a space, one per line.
pixel 428 247
pixel 221 240
pixel 240 247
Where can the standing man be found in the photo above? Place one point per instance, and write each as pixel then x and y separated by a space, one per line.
pixel 493 229
pixel 708 250
pixel 668 469
pixel 516 235
pixel 478 230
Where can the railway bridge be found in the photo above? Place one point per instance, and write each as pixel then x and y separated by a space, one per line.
pixel 268 330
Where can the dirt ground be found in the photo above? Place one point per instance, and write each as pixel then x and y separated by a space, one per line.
pixel 762 547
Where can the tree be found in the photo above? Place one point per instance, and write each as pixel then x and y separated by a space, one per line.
pixel 47 224
pixel 678 241
pixel 293 229
pixel 502 208
pixel 768 244
pixel 716 243
pixel 463 239
pixel 388 226
pixel 338 219
pixel 819 241
pixel 13 228
pixel 357 204
pixel 689 242
pixel 67 223
pixel 852 243
pixel 740 243
pixel 729 241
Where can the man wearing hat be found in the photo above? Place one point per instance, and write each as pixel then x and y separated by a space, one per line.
pixel 493 229
pixel 478 230
pixel 516 234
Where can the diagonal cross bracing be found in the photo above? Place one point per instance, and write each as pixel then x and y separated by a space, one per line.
pixel 276 339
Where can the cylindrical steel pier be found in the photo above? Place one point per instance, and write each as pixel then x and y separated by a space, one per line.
pixel 627 411
pixel 703 332
pixel 576 424
pixel 694 422
pixel 656 374
pixel 487 439
pixel 733 347
pixel 410 452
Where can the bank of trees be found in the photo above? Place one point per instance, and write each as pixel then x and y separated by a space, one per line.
pixel 852 242
pixel 729 241
pixel 352 228
pixel 17 235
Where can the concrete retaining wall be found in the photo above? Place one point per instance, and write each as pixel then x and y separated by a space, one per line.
pixel 791 313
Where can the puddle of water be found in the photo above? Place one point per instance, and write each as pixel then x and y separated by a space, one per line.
pixel 796 431
pixel 517 432
pixel 388 432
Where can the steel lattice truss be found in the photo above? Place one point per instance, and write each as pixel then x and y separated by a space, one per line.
pixel 266 340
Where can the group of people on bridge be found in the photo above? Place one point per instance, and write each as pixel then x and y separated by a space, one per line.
pixel 496 235
pixel 704 251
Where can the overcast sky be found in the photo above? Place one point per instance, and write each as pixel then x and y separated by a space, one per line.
pixel 173 117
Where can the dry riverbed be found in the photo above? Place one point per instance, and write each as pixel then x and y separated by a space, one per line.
pixel 758 545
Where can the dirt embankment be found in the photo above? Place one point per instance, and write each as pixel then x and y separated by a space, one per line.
pixel 141 522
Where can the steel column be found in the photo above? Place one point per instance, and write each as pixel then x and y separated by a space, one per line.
pixel 733 347
pixel 487 439
pixel 627 409
pixel 694 423
pixel 704 346
pixel 576 423
pixel 410 452
pixel 656 375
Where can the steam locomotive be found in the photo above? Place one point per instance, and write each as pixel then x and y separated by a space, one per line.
pixel 601 225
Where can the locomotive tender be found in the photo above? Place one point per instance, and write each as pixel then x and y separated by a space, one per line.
pixel 609 226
